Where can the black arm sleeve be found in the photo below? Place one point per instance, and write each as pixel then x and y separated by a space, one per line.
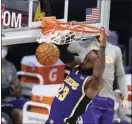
pixel 65 55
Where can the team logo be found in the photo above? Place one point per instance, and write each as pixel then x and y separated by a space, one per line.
pixel 51 121
pixel 79 120
pixel 108 59
pixel 82 78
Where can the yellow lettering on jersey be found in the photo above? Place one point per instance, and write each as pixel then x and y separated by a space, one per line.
pixel 62 92
pixel 79 101
pixel 74 85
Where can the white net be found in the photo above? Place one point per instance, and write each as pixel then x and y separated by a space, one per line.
pixel 68 36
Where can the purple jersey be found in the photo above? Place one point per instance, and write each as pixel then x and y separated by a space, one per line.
pixel 70 100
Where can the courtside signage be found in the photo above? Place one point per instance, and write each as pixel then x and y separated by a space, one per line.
pixel 10 19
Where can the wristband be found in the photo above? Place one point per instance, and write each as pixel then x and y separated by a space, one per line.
pixel 102 46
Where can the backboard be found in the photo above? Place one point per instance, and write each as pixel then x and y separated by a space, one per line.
pixel 22 18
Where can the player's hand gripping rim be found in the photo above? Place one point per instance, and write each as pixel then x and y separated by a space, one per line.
pixel 102 38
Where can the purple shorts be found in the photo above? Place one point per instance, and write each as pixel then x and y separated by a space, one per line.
pixel 100 111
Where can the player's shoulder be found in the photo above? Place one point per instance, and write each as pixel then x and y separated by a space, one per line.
pixel 9 64
pixel 116 48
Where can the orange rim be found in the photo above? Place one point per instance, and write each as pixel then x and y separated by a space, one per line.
pixel 50 23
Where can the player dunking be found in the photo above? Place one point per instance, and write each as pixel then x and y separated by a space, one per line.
pixel 79 88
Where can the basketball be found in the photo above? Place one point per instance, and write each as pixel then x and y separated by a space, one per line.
pixel 47 54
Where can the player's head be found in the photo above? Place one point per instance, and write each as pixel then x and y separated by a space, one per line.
pixel 90 59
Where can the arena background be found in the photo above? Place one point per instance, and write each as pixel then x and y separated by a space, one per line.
pixel 120 21
pixel 120 25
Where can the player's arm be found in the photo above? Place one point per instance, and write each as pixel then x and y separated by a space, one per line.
pixel 67 57
pixel 100 62
pixel 94 83
pixel 120 73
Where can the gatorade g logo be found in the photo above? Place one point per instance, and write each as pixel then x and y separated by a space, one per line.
pixel 53 74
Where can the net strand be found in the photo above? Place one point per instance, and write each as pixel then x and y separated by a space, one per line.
pixel 68 33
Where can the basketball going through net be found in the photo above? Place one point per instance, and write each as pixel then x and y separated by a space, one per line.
pixel 57 32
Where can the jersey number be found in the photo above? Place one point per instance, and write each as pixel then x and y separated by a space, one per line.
pixel 62 92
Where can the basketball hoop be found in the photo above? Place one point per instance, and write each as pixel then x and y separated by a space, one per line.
pixel 65 33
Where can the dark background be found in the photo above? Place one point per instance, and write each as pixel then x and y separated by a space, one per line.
pixel 76 8
pixel 120 21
